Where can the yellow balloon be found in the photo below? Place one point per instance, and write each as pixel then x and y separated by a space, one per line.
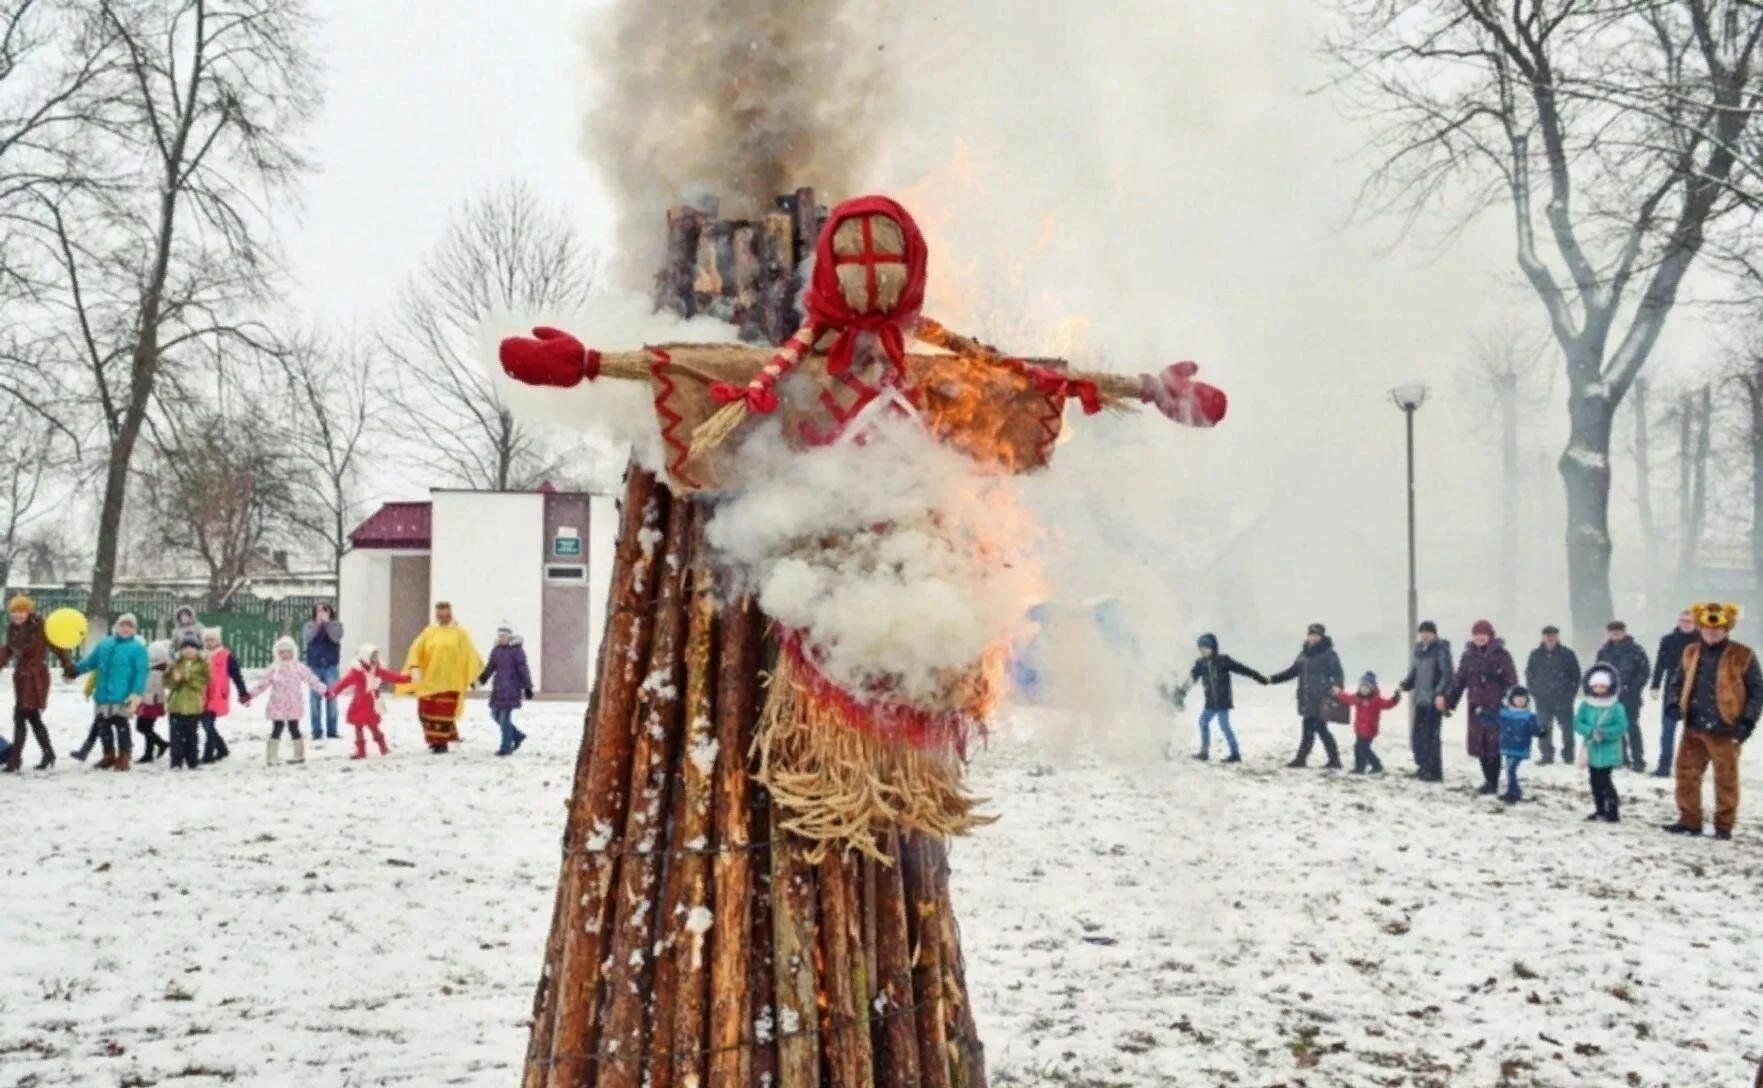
pixel 65 628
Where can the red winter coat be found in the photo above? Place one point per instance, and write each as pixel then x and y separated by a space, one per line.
pixel 364 707
pixel 27 650
pixel 1367 710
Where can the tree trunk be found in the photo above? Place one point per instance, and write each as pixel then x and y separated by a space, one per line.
pixel 1698 416
pixel 1585 470
pixel 1508 388
pixel 116 484
pixel 1754 386
pixel 1643 471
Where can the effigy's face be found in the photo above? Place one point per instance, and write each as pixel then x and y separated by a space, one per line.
pixel 870 251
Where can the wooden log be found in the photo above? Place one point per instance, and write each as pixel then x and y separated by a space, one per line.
pixel 793 951
pixel 559 1056
pixel 620 1049
pixel 895 1029
pixel 690 870
pixel 664 981
pixel 673 284
pixel 968 1056
pixel 746 271
pixel 737 696
pixel 804 221
pixel 761 978
pixel 777 260
pixel 845 988
pixel 927 961
pixel 712 275
pixel 638 485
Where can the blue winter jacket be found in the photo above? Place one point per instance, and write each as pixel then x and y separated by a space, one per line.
pixel 122 669
pixel 1517 729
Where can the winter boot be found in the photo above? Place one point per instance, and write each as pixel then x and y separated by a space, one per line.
pixel 360 746
pixel 122 761
pixel 1681 828
pixel 15 754
pixel 1724 834
pixel 1201 756
pixel 1232 758
pixel 519 739
pixel 299 750
pixel 379 738
pixel 272 751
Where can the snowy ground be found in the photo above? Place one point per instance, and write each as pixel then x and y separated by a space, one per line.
pixel 1128 922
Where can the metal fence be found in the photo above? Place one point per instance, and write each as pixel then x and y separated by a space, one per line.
pixel 250 625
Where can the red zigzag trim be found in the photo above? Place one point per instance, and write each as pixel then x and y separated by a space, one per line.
pixel 659 361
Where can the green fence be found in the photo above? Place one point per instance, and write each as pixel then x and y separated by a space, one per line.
pixel 251 625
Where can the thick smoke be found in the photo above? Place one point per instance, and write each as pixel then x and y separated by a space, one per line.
pixel 743 100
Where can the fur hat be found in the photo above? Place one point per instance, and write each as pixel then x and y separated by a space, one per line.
pixel 1612 681
pixel 1482 627
pixel 128 618
pixel 1715 616
pixel 285 645
pixel 1207 641
pixel 366 652
pixel 1316 629
pixel 21 603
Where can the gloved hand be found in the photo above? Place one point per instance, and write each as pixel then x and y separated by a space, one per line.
pixel 1746 728
pixel 1178 396
pixel 1673 713
pixel 548 357
pixel 527 693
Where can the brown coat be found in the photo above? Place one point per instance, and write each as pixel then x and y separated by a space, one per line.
pixel 27 650
pixel 1736 691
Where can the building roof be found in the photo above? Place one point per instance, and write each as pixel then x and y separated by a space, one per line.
pixel 396 525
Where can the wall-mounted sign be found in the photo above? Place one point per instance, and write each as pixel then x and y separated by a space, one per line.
pixel 567 543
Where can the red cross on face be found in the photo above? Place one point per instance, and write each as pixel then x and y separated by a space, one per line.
pixel 869 259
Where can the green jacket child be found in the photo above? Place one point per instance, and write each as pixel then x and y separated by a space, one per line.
pixel 186 684
pixel 1601 719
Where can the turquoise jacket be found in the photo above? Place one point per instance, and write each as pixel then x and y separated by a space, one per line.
pixel 1603 728
pixel 122 669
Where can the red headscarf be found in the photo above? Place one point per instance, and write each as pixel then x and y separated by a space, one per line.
pixel 826 304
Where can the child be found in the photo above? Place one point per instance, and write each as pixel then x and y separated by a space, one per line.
pixel 365 710
pixel 223 674
pixel 1212 671
pixel 1603 722
pixel 512 682
pixel 186 699
pixel 287 681
pixel 153 705
pixel 120 662
pixel 1518 727
pixel 1368 706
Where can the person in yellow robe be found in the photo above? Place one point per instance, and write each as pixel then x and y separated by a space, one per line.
pixel 442 665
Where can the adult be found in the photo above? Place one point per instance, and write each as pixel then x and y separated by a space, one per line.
pixel 1429 676
pixel 511 682
pixel 1318 673
pixel 1668 661
pixel 27 650
pixel 1212 671
pixel 1626 656
pixel 1552 674
pixel 120 661
pixel 1718 691
pixel 442 665
pixel 323 639
pixel 1485 673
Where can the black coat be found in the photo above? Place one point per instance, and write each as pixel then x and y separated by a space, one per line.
pixel 1553 677
pixel 1213 675
pixel 1430 674
pixel 1318 672
pixel 1631 664
pixel 1670 658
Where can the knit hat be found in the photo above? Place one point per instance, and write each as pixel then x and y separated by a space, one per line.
pixel 21 603
pixel 285 645
pixel 366 653
pixel 1482 627
pixel 1515 692
pixel 1428 627
pixel 1208 641
pixel 1316 629
pixel 505 628
pixel 211 633
pixel 191 641
pixel 1369 680
pixel 158 652
pixel 1719 617
pixel 126 617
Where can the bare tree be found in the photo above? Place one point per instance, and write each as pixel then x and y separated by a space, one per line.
pixel 1643 471
pixel 504 252
pixel 159 262
pixel 1509 371
pixel 333 412
pixel 1695 414
pixel 1614 133
pixel 218 489
pixel 34 461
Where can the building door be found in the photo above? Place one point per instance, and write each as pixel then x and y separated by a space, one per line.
pixel 408 606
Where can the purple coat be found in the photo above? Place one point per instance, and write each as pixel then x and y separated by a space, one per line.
pixel 507 675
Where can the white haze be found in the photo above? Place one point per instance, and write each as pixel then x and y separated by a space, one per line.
pixel 1130 184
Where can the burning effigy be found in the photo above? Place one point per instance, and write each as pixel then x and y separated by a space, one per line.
pixel 812 604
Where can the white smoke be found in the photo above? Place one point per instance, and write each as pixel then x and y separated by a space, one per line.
pixel 903 561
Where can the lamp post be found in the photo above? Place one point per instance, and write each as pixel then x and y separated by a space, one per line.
pixel 1409 398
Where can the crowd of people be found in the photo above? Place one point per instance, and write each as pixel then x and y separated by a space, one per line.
pixel 189 681
pixel 1710 687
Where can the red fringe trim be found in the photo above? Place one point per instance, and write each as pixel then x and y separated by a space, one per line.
pixel 878 717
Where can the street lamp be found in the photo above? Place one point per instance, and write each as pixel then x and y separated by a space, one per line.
pixel 1409 398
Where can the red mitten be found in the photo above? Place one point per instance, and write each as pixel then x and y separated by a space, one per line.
pixel 548 357
pixel 1178 396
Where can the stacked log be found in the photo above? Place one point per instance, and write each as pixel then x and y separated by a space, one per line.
pixel 693 943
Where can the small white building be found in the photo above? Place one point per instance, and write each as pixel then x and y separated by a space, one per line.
pixel 540 561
